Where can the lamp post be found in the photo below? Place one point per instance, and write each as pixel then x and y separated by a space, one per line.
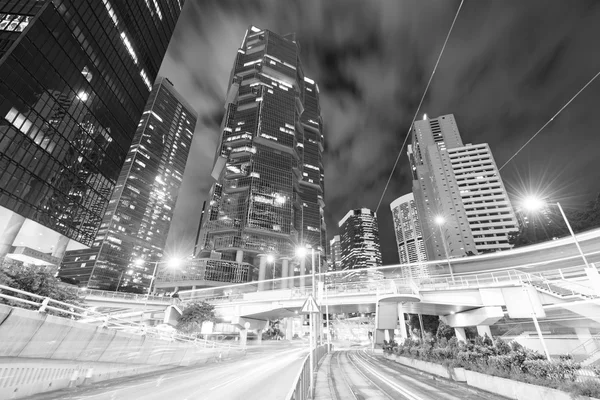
pixel 172 263
pixel 301 253
pixel 534 204
pixel 439 221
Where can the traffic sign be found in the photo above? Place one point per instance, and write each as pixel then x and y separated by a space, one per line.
pixel 310 306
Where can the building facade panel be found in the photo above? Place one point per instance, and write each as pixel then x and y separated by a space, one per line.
pixel 134 230
pixel 268 194
pixel 74 78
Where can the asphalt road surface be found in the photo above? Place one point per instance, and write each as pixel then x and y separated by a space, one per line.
pixel 265 373
pixel 358 375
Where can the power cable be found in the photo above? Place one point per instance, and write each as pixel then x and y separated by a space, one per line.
pixel 419 107
pixel 550 120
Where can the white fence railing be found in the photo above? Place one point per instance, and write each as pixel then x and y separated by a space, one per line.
pixel 20 298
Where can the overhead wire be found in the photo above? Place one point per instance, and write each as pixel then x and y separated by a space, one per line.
pixel 419 107
pixel 550 120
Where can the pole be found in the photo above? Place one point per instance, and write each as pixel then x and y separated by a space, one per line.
pixel 152 279
pixel 446 250
pixel 119 283
pixel 573 234
pixel 327 319
pixel 537 325
pixel 313 327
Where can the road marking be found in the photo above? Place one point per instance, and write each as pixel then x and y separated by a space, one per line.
pixel 394 386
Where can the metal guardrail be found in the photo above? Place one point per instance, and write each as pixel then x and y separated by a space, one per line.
pixel 43 304
pixel 301 389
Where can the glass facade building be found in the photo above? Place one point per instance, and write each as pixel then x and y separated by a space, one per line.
pixel 409 237
pixel 359 233
pixel 268 194
pixel 335 254
pixel 134 231
pixel 74 78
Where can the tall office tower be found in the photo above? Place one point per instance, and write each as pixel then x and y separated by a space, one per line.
pixel 268 195
pixel 409 237
pixel 460 196
pixel 335 257
pixel 134 230
pixel 74 78
pixel 359 233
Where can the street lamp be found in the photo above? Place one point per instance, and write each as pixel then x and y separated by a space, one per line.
pixel 439 221
pixel 301 253
pixel 172 263
pixel 535 204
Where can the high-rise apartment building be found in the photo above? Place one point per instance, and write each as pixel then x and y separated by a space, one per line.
pixel 460 197
pixel 269 189
pixel 359 233
pixel 134 230
pixel 335 253
pixel 409 237
pixel 74 79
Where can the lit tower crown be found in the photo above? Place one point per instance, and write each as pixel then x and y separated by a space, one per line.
pixel 268 194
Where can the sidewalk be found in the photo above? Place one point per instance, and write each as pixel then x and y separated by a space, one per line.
pixel 322 382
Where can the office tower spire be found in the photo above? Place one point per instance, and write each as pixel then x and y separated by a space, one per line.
pixel 134 230
pixel 268 194
pixel 461 200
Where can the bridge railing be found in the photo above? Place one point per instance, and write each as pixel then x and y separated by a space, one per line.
pixel 301 389
pixel 20 298
pixel 121 295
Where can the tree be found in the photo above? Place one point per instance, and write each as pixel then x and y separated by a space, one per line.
pixel 36 280
pixel 194 315
pixel 430 323
pixel 444 331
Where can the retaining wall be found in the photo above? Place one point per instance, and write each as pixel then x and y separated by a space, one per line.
pixel 40 352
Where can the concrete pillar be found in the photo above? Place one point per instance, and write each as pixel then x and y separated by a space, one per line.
pixel 460 334
pixel 585 338
pixel 10 233
pixel 289 328
pixel 483 330
pixel 239 256
pixel 243 337
pixel 402 324
pixel 262 271
pixel 285 283
pixel 291 274
pixel 302 273
pixel 259 336
pixel 60 248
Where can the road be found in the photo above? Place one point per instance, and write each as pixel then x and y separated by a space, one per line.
pixel 358 375
pixel 265 373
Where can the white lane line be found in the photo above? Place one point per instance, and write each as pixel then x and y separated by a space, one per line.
pixel 391 383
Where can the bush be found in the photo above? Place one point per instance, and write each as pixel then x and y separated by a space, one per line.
pixel 506 360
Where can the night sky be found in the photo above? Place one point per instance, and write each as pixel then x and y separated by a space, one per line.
pixel 509 66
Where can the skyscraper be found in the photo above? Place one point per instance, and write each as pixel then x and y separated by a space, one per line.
pixel 268 194
pixel 74 78
pixel 459 193
pixel 134 230
pixel 359 233
pixel 335 256
pixel 409 236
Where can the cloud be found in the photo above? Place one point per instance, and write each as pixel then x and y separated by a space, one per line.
pixel 508 67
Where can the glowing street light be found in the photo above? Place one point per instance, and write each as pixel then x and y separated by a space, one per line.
pixel 171 263
pixel 535 204
pixel 270 258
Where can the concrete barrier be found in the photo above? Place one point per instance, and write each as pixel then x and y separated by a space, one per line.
pixel 40 352
pixel 505 387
